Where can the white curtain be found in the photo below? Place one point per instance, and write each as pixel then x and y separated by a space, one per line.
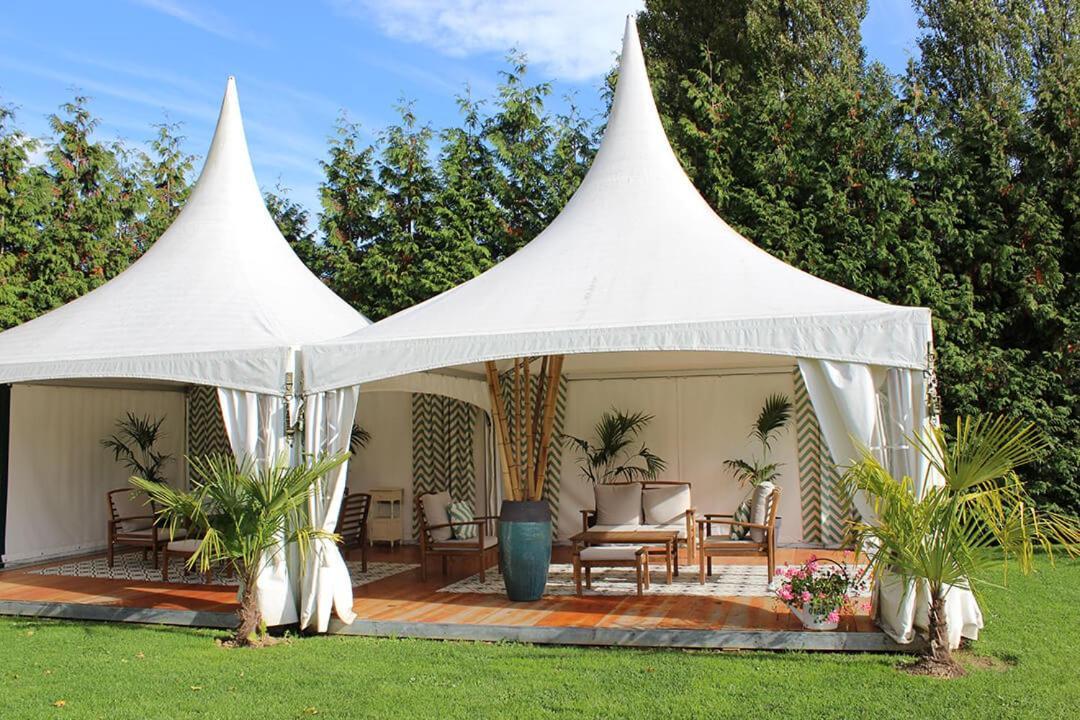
pixel 846 402
pixel 325 586
pixel 255 423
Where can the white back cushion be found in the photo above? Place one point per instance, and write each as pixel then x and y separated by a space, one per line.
pixel 665 504
pixel 437 512
pixel 759 509
pixel 131 504
pixel 618 504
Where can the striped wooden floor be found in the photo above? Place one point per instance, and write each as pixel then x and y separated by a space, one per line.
pixel 405 604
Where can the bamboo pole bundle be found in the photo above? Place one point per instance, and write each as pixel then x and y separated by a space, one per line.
pixel 551 392
pixel 511 484
pixel 530 439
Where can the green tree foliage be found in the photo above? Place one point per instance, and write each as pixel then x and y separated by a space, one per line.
pixel 992 100
pixel 165 183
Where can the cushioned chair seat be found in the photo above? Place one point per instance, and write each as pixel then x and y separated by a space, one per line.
pixel 603 553
pixel 489 541
pixel 679 527
pixel 618 528
pixel 184 546
pixel 163 533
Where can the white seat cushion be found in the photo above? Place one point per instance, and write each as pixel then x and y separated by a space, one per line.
pixel 677 526
pixel 187 546
pixel 601 553
pixel 489 541
pixel 618 504
pixel 437 512
pixel 619 528
pixel 665 504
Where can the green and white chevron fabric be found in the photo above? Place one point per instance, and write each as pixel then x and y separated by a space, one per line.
pixel 442 448
pixel 206 433
pixel 825 509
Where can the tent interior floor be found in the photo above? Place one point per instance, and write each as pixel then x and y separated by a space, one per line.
pixel 403 605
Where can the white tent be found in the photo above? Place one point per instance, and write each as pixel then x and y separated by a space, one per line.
pixel 220 300
pixel 638 273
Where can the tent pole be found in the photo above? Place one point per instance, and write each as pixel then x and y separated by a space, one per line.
pixel 530 440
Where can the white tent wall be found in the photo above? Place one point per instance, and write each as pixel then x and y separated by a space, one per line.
pixel 386 462
pixel 58 470
pixel 699 421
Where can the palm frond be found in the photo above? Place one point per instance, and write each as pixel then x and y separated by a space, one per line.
pixel 774 415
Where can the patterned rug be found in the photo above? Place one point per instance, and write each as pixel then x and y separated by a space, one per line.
pixel 130 566
pixel 726 580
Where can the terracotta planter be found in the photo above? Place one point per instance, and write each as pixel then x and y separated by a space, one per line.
pixel 809 619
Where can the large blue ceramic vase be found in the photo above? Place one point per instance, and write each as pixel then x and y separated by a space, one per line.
pixel 525 548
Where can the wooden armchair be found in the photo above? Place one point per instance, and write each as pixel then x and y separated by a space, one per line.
pixel 352 525
pixel 132 523
pixel 760 542
pixel 436 537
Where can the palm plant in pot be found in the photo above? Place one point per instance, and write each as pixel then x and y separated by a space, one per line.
pixel 760 471
pixel 611 455
pixel 524 421
pixel 947 536
pixel 245 512
pixel 134 445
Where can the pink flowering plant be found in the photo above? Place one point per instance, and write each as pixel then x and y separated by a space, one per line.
pixel 823 587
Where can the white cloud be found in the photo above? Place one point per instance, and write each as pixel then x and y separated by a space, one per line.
pixel 573 40
pixel 205 19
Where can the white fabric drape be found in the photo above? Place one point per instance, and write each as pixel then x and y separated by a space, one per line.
pixel 903 605
pixel 256 427
pixel 325 586
pixel 845 399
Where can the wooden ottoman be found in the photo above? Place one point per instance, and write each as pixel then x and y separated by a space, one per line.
pixel 184 549
pixel 635 556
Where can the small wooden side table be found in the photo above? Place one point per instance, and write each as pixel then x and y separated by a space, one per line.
pixel 384 522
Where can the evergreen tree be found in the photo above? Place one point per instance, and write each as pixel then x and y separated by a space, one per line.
pixel 24 196
pixel 165 174
pixel 294 222
pixel 88 235
pixel 997 194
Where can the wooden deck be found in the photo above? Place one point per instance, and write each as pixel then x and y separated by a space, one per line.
pixel 403 605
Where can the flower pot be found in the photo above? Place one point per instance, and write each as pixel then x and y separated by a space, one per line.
pixel 525 548
pixel 809 619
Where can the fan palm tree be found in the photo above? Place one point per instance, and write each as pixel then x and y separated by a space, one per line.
pixel 950 535
pixel 771 420
pixel 612 456
pixel 245 512
pixel 133 444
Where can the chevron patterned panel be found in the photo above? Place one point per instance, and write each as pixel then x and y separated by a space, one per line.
pixel 442 430
pixel 205 427
pixel 808 443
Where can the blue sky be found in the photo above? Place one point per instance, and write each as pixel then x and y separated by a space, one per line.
pixel 299 64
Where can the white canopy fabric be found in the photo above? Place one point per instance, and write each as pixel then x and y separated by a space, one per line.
pixel 218 300
pixel 637 261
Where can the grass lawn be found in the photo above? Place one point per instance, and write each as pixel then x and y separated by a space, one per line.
pixel 84 670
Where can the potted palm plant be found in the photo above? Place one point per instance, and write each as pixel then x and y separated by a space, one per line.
pixel 134 446
pixel 611 455
pixel 948 536
pixel 245 512
pixel 774 415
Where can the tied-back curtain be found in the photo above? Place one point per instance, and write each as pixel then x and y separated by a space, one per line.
pixel 826 508
pixel 325 586
pixel 256 427
pixel 553 477
pixel 902 604
pixel 857 404
pixel 442 448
